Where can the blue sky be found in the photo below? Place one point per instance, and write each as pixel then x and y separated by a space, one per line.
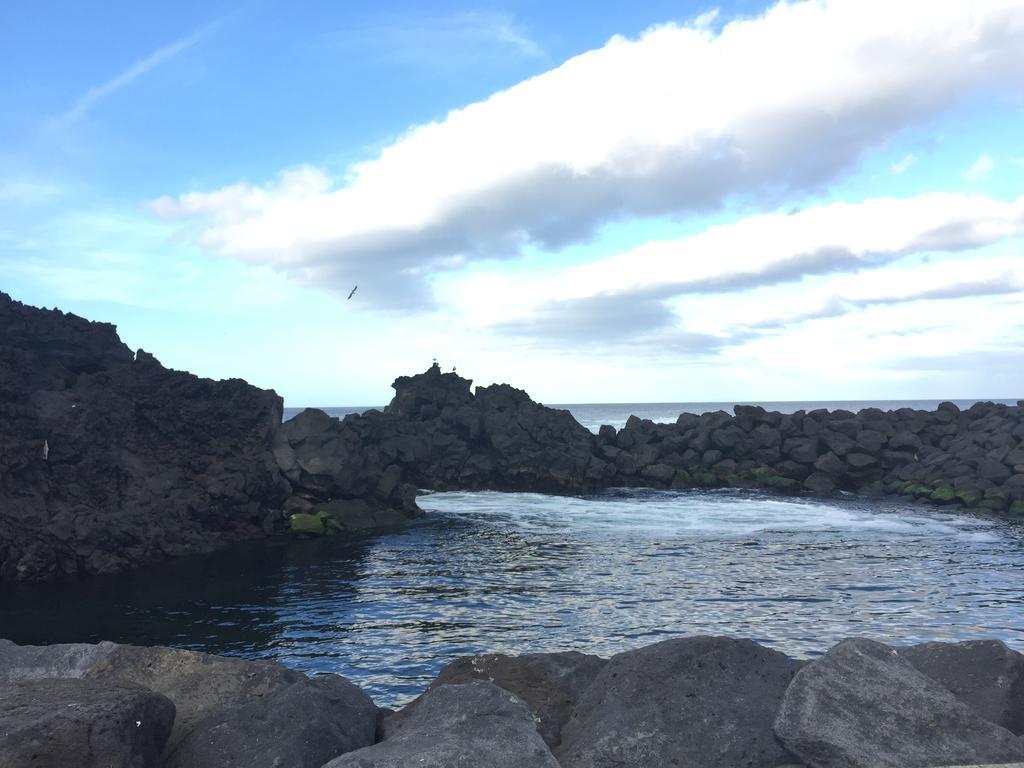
pixel 679 202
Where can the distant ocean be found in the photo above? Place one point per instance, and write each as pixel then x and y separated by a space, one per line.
pixel 593 415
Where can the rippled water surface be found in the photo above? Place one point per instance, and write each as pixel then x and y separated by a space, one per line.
pixel 517 573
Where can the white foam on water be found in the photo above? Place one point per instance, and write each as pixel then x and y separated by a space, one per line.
pixel 702 514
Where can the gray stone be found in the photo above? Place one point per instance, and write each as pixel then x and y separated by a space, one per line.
pixel 870 440
pixel 19 663
pixel 860 460
pixel 456 726
pixel 991 469
pixel 830 464
pixel 75 723
pixel 862 706
pixel 982 673
pixel 904 440
pixel 300 726
pixel 821 483
pixel 659 473
pixel 802 449
pixel 550 684
pixel 199 684
pixel 697 701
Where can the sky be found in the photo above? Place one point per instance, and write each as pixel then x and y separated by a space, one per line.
pixel 594 202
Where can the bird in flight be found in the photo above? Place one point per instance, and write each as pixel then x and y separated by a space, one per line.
pixel 352 293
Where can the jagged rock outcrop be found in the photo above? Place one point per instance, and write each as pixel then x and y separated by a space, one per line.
pixel 435 434
pixel 108 460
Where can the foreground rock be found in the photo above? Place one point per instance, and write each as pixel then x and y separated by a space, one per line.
pixel 302 726
pixel 55 723
pixel 862 706
pixel 228 711
pixel 474 724
pixel 699 701
pixel 550 684
pixel 984 674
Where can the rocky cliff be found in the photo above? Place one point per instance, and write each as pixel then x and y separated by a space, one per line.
pixel 109 460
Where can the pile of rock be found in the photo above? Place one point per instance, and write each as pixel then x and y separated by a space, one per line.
pixel 707 702
pixel 974 458
pixel 437 434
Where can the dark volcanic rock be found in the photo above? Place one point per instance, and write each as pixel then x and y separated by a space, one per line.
pixel 229 711
pixel 862 706
pixel 83 723
pixel 550 684
pixel 109 460
pixel 707 701
pixel 200 685
pixel 300 726
pixel 474 724
pixel 982 673
pixel 438 434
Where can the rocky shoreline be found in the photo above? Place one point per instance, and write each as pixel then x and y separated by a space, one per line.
pixel 712 702
pixel 109 461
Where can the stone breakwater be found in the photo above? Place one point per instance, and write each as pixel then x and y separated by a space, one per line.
pixel 108 460
pixel 438 434
pixel 703 702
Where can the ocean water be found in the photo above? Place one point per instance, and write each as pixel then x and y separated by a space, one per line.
pixel 593 415
pixel 518 573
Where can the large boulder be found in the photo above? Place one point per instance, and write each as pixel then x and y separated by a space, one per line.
pixel 697 701
pixel 300 726
pixel 222 703
pixel 550 684
pixel 982 673
pixel 200 685
pixel 474 724
pixel 82 723
pixel 862 706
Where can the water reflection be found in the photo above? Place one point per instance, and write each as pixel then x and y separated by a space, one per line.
pixel 518 572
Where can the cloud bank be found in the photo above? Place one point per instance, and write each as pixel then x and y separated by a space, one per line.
pixel 681 120
pixel 629 294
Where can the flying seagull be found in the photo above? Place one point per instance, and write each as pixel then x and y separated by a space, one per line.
pixel 352 293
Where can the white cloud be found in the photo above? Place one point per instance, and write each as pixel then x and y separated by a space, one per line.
pixel 95 95
pixel 902 165
pixel 678 121
pixel 980 168
pixel 628 294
